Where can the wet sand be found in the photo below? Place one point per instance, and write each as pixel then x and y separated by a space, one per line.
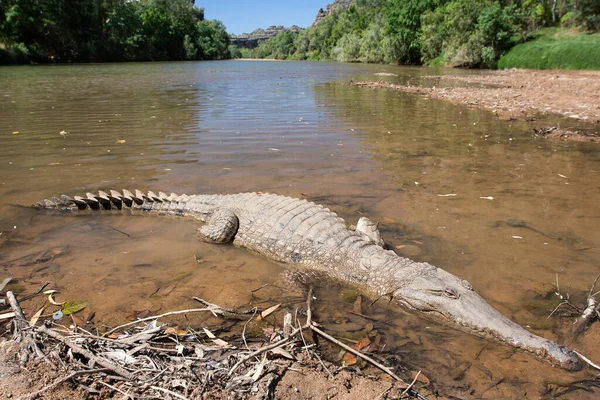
pixel 516 94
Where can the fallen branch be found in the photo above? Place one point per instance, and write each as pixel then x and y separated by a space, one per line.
pixel 86 353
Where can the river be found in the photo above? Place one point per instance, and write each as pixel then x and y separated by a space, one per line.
pixel 455 187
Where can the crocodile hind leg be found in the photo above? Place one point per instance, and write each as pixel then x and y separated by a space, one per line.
pixel 221 227
pixel 369 229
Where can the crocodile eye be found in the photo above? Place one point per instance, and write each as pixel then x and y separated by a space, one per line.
pixel 451 293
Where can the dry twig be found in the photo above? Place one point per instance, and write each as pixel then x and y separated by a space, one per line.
pixel 86 353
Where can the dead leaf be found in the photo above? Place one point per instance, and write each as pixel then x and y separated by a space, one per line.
pixel 36 317
pixel 118 335
pixel 282 352
pixel 198 351
pixel 268 312
pixel 120 141
pixel 349 359
pixel 15 133
pixel 120 356
pixel 175 331
pixel 51 299
pixel 4 283
pixel 220 342
pixel 209 334
pixel 361 344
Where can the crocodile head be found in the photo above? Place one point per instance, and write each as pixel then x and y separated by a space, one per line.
pixel 445 298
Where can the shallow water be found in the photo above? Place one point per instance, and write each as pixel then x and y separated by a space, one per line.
pixel 445 182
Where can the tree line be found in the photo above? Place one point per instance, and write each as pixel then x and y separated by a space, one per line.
pixel 463 33
pixel 108 30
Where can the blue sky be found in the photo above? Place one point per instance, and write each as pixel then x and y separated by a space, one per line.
pixel 241 16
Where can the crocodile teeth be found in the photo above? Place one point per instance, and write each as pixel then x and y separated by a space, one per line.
pixel 92 201
pixel 115 197
pixel 103 199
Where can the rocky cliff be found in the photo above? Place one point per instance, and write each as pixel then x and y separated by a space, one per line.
pixel 252 40
pixel 337 3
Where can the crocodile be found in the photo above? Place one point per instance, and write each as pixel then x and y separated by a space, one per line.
pixel 311 237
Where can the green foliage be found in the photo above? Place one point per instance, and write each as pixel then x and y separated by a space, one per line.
pixel 554 48
pixel 349 47
pixel 404 23
pixel 462 33
pixel 471 33
pixel 107 30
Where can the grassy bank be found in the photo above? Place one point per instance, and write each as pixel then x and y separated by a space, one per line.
pixel 555 48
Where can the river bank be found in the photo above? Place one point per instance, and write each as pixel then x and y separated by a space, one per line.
pixel 516 94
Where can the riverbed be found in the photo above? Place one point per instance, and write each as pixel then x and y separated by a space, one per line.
pixel 481 197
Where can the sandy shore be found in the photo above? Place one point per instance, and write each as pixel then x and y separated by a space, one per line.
pixel 518 94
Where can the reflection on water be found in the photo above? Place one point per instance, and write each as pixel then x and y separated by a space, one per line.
pixel 455 187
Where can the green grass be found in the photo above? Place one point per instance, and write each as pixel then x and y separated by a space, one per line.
pixel 555 48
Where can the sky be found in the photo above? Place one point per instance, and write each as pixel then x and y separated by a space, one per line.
pixel 244 16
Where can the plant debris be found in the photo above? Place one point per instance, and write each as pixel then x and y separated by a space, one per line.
pixel 148 358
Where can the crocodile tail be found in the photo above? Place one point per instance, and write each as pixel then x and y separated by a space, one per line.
pixel 114 200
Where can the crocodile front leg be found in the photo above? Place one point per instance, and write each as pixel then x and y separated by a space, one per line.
pixel 221 227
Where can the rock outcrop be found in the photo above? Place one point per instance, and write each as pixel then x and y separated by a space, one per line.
pixel 337 3
pixel 258 36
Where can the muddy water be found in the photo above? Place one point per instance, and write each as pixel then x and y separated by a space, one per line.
pixel 454 187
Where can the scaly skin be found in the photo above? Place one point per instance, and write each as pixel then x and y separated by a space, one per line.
pixel 311 237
